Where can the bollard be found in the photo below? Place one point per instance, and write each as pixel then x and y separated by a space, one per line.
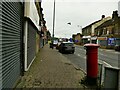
pixel 92 63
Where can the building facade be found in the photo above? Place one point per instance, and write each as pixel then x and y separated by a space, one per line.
pixel 21 24
pixel 31 27
pixel 89 31
pixel 109 31
pixel 77 38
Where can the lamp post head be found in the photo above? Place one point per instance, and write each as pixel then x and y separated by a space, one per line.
pixel 69 23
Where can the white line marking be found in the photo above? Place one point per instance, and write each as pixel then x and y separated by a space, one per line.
pixel 110 51
pixel 117 52
pixel 81 56
pixel 102 54
pixel 105 63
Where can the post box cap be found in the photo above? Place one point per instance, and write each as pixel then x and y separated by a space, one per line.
pixel 96 45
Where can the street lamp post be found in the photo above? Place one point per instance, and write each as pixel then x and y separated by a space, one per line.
pixel 53 18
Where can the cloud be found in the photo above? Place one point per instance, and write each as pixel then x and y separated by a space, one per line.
pixel 81 14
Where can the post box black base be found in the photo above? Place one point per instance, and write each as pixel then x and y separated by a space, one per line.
pixel 91 81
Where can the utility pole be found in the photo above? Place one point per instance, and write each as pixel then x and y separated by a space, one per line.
pixel 53 19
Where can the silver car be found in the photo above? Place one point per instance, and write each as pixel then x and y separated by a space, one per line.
pixel 67 47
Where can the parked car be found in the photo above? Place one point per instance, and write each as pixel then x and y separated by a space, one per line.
pixel 67 47
pixel 55 42
pixel 117 47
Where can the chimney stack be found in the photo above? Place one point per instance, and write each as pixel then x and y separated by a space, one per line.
pixel 103 16
pixel 115 14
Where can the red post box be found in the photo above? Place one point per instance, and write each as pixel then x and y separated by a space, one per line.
pixel 92 62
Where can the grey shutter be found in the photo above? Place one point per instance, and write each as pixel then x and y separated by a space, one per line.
pixel 0 45
pixel 11 41
pixel 31 42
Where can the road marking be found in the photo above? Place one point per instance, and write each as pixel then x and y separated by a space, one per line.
pixel 102 54
pixel 111 51
pixel 117 52
pixel 81 56
pixel 105 63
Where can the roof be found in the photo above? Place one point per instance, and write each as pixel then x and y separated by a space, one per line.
pixel 108 23
pixel 92 24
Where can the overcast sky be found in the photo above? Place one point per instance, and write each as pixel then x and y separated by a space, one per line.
pixel 79 12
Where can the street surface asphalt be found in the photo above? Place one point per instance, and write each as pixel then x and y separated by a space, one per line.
pixel 107 57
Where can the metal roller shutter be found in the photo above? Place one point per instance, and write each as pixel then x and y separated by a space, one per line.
pixel 31 43
pixel 11 41
pixel 0 45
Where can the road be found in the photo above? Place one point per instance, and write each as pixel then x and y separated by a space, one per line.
pixel 107 57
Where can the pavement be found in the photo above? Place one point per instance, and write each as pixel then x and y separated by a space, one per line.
pixel 51 69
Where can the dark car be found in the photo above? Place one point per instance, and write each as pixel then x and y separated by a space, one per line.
pixel 117 47
pixel 67 47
